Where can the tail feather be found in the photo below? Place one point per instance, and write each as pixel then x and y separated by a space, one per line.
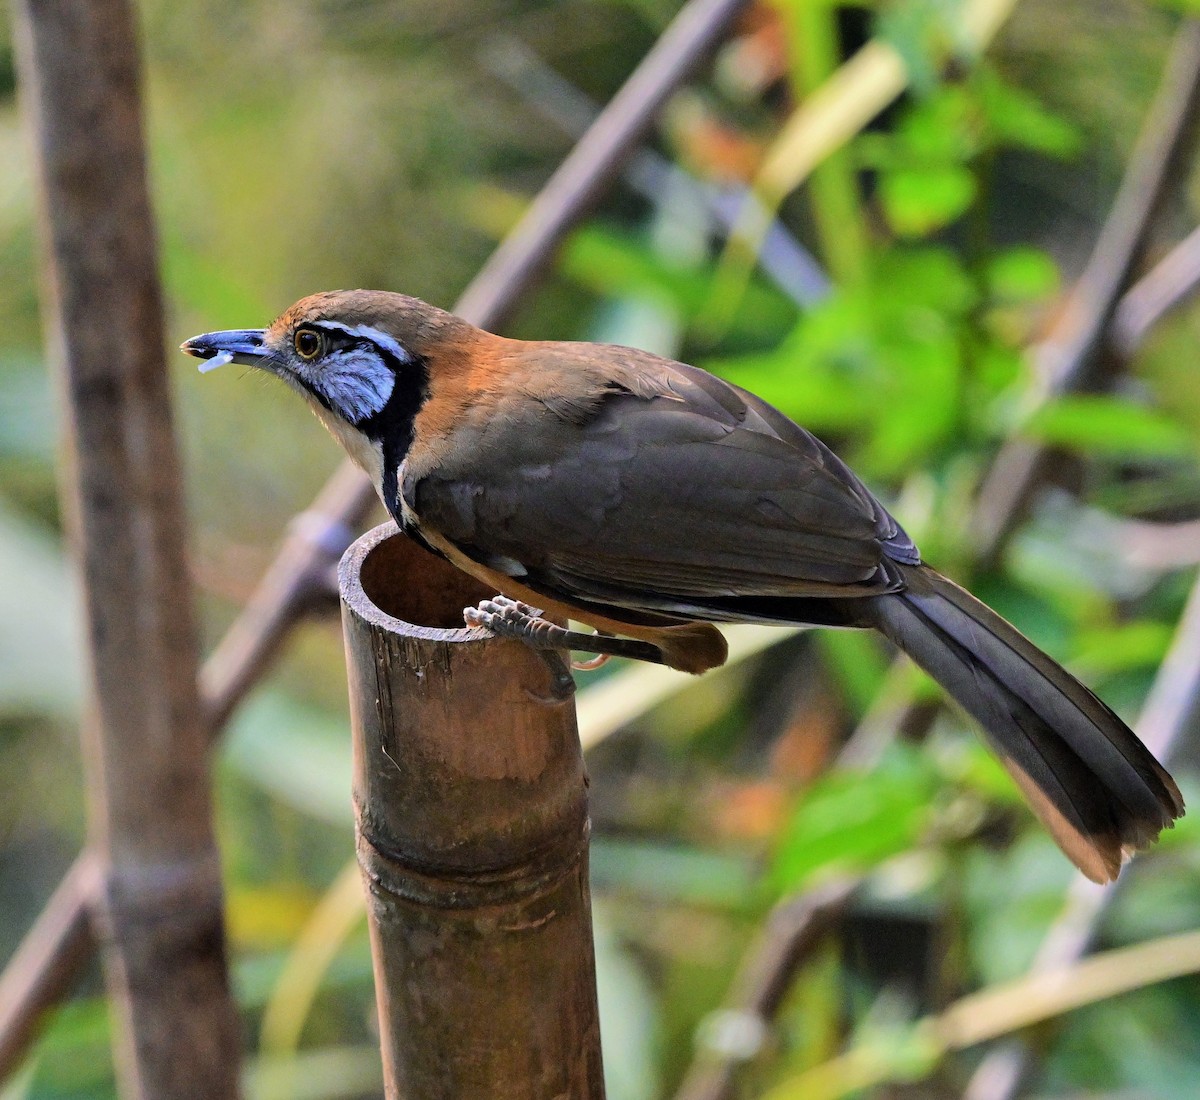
pixel 1096 787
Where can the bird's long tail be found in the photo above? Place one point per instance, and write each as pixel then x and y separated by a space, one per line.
pixel 1095 785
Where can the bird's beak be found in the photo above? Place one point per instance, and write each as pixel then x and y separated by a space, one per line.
pixel 244 345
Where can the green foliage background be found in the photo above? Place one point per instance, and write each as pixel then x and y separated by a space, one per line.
pixel 323 143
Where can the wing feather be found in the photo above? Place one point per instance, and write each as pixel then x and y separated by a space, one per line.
pixel 657 484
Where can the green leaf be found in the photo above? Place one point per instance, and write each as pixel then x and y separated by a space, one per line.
pixel 818 372
pixel 944 129
pixel 997 370
pixel 629 1016
pixel 1021 275
pixel 966 763
pixel 1108 650
pixel 621 265
pixel 884 357
pixel 1011 897
pixel 1108 426
pixel 671 873
pixel 923 33
pixel 858 664
pixel 852 821
pixel 1017 118
pixel 41 660
pixel 918 201
pixel 922 276
pixel 74 1055
pixel 297 753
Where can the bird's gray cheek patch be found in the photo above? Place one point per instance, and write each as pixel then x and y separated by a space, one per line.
pixel 357 383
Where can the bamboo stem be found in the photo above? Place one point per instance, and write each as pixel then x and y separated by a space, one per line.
pixel 158 910
pixel 1069 359
pixel 33 982
pixel 472 829
pixel 610 141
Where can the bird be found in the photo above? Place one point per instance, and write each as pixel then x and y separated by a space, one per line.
pixel 651 500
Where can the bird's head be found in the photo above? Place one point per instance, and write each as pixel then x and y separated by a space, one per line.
pixel 360 357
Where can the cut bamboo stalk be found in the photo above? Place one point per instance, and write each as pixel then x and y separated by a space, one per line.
pixel 471 806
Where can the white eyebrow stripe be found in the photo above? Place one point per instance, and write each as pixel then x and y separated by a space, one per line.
pixel 389 343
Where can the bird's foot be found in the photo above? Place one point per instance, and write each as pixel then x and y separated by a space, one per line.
pixel 513 619
pixel 507 618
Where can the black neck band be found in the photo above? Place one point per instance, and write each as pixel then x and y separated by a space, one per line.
pixel 393 426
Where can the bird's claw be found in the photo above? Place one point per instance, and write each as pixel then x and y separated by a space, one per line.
pixel 512 619
pixel 592 663
pixel 508 618
pixel 562 683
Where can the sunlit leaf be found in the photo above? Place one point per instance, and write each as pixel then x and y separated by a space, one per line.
pixel 1018 119
pixel 851 821
pixel 1020 275
pixel 839 110
pixel 916 201
pixel 924 275
pixel 884 358
pixel 942 130
pixel 1106 650
pixel 611 263
pixel 1108 426
pixel 996 369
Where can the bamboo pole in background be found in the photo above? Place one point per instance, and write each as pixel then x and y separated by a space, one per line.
pixel 159 906
pixel 471 808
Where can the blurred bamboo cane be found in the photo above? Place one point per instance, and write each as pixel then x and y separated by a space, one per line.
pixel 158 908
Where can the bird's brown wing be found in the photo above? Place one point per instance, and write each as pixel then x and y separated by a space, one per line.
pixel 658 487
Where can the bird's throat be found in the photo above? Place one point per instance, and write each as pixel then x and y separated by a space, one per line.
pixel 364 452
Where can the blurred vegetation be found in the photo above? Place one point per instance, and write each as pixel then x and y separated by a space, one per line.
pixel 323 143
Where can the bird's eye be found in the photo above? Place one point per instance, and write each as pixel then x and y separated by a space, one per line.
pixel 308 343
